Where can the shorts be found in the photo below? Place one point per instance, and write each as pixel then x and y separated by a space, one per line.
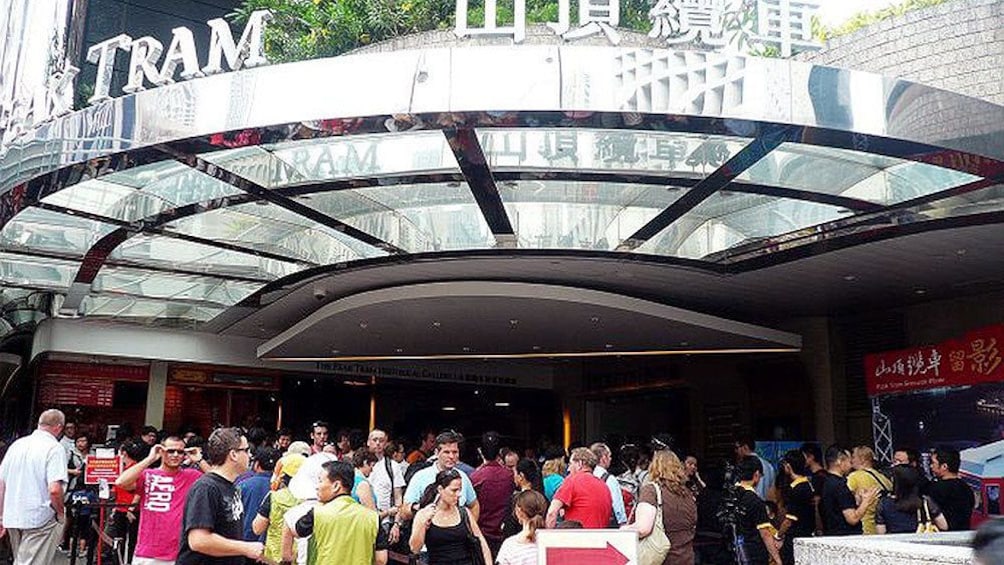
pixel 150 561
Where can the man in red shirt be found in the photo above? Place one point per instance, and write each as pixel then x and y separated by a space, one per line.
pixel 493 482
pixel 583 497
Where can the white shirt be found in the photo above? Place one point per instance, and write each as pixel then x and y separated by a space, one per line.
pixel 381 482
pixel 615 493
pixel 31 463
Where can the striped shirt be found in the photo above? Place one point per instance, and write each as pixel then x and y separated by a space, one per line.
pixel 514 551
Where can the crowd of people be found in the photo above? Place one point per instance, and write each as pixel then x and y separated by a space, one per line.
pixel 240 497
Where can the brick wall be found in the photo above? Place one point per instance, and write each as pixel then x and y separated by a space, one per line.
pixel 958 46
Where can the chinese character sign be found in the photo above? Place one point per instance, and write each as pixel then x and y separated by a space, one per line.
pixel 722 24
pixel 976 358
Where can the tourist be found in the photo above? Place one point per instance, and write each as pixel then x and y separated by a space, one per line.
pixel 32 483
pixel 387 482
pixel 582 496
pixel 272 511
pixel 284 437
pixel 526 475
pixel 745 446
pixel 864 477
pixel 694 481
pixel 363 461
pixel 530 508
pixel 955 498
pixel 318 436
pixel 254 487
pixel 679 509
pixel 447 455
pixel 493 483
pixel 753 525
pixel 424 450
pixel 443 525
pixel 907 509
pixel 603 461
pixel 841 512
pixel 554 470
pixel 800 515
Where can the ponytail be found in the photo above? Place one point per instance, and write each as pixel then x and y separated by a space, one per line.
pixel 535 523
pixel 533 505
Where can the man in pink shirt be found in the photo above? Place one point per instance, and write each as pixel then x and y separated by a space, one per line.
pixel 162 494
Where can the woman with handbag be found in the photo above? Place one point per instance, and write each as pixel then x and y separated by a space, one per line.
pixel 666 512
pixel 906 511
pixel 521 549
pixel 444 528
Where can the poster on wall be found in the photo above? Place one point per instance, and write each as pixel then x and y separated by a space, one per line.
pixel 949 394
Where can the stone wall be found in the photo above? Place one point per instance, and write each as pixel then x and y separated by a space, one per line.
pixel 958 45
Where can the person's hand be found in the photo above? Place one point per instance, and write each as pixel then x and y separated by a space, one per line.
pixel 395 533
pixel 254 550
pixel 156 452
pixel 870 495
pixel 130 516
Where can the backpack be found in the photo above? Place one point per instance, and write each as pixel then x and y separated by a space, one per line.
pixel 414 468
pixel 626 495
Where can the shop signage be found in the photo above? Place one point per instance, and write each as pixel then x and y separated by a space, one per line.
pixel 530 377
pixel 972 359
pixel 97 468
pixel 587 547
pixel 734 25
pixel 146 68
pixel 100 394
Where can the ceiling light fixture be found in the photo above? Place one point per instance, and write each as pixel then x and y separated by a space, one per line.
pixel 542 355
pixel 920 291
pixel 449 408
pixel 363 325
pixel 354 383
pixel 850 278
pixel 502 404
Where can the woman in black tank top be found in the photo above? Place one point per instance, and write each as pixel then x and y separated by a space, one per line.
pixel 442 524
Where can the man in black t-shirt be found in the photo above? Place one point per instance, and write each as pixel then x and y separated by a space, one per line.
pixel 755 532
pixel 213 521
pixel 951 493
pixel 841 513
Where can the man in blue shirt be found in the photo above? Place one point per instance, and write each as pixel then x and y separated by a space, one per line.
pixel 447 456
pixel 253 488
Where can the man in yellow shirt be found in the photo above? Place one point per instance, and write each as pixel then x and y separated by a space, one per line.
pixel 864 478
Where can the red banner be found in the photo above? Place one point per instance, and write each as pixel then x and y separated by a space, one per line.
pixel 97 468
pixel 975 358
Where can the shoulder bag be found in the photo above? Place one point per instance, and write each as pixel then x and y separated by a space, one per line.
pixel 653 548
pixel 473 541
pixel 925 525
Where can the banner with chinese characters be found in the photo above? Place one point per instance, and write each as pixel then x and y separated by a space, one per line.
pixel 975 358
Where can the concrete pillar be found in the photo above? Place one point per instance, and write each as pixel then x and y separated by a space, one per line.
pixel 156 393
pixel 818 364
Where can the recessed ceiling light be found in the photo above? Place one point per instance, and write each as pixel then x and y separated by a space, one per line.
pixel 354 383
pixel 594 319
pixel 336 351
pixel 920 291
pixel 684 343
pixel 399 350
pixel 536 348
pixel 364 325
pixel 449 408
pixel 514 322
pixel 850 278
pixel 436 323
pixel 960 252
pixel 502 404
pixel 466 349
pixel 609 346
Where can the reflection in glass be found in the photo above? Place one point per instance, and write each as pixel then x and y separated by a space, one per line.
pixel 170 253
pixel 266 227
pixel 581 215
pixel 728 219
pixel 36 229
pixel 687 155
pixel 865 176
pixel 141 192
pixel 160 312
pixel 416 218
pixel 332 158
pixel 152 284
pixel 22 270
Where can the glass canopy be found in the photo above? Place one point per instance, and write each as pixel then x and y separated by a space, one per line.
pixel 190 245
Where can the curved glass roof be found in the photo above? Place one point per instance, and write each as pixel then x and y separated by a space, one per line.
pixel 182 239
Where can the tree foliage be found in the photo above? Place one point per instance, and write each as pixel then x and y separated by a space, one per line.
pixel 309 29
pixel 867 18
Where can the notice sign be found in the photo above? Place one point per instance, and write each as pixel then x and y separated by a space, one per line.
pixel 97 468
pixel 87 393
pixel 587 547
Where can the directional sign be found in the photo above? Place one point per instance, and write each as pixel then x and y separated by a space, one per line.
pixel 587 547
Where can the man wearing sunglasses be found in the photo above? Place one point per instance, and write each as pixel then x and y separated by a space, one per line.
pixel 162 492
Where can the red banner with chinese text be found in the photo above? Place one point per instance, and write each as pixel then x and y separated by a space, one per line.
pixel 973 359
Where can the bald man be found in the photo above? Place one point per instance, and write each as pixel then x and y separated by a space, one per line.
pixel 32 480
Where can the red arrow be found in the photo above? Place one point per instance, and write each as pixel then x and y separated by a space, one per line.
pixel 608 555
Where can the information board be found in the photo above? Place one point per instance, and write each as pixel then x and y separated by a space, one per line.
pixel 98 468
pixel 587 547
